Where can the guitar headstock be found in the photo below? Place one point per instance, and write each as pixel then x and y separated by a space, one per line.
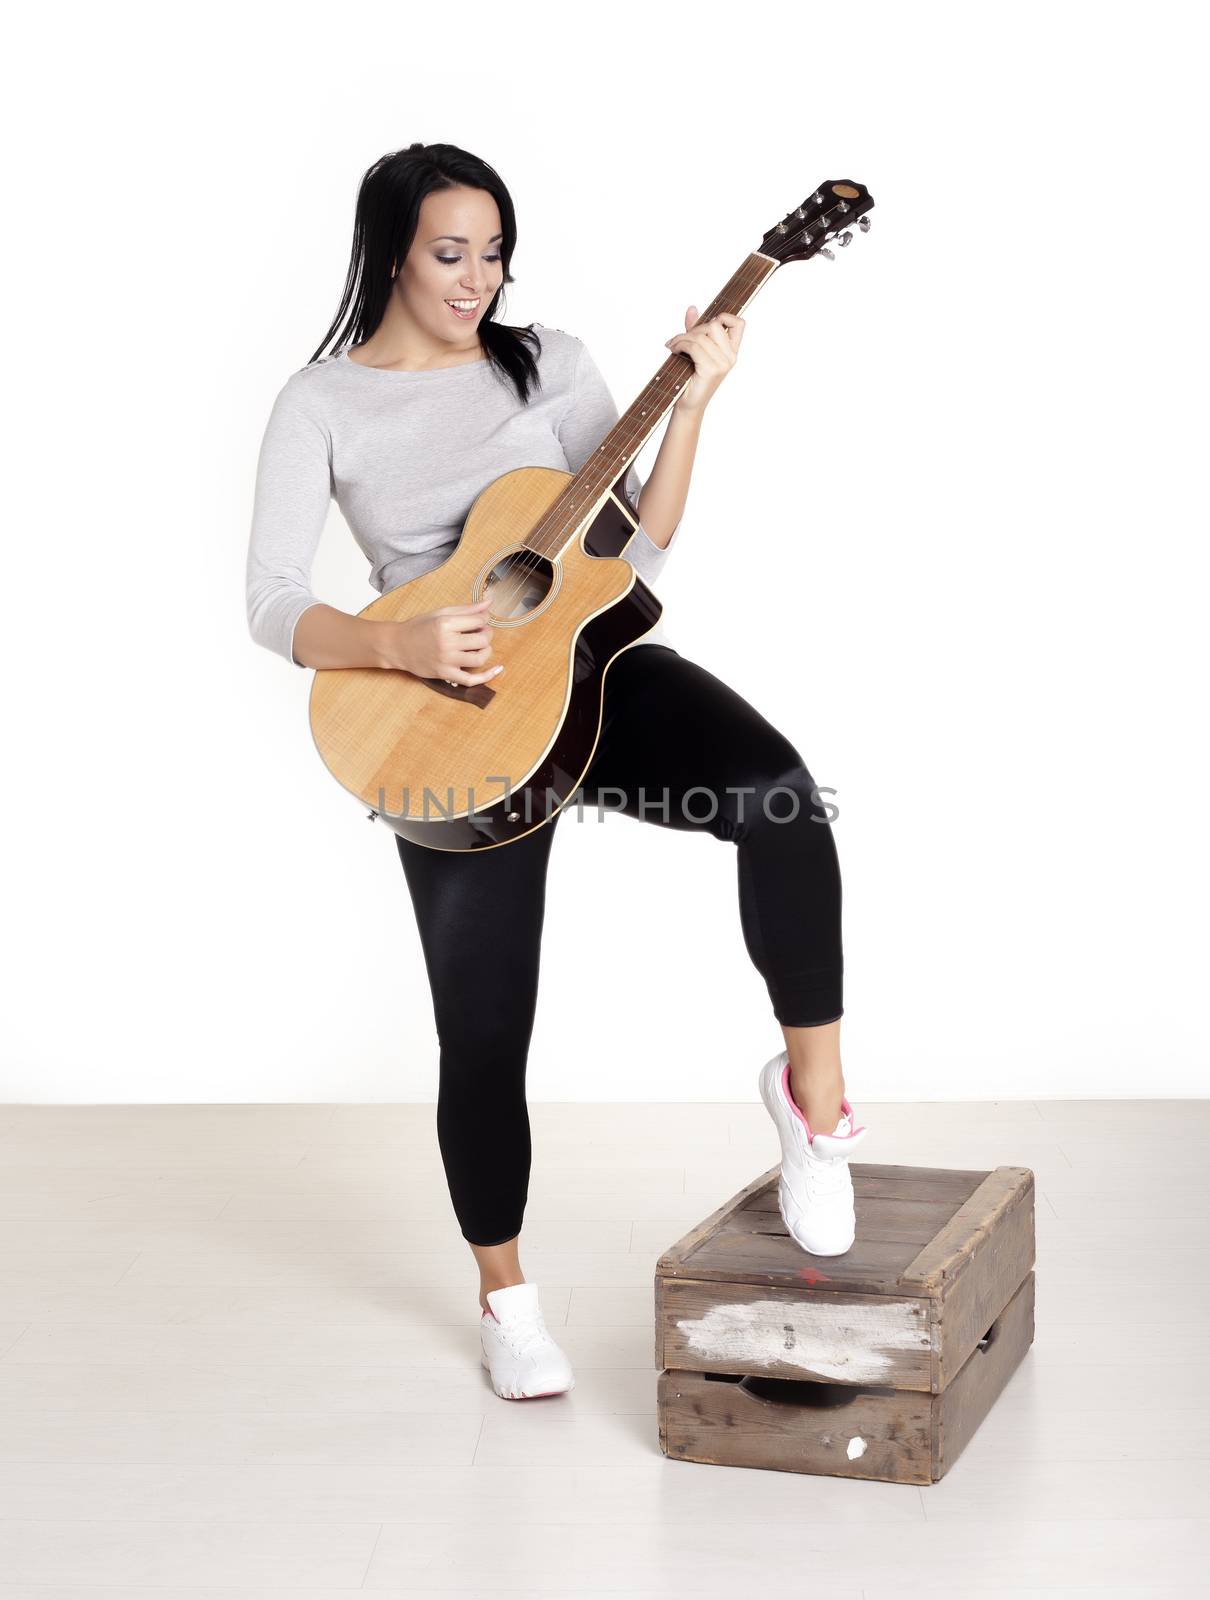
pixel 823 216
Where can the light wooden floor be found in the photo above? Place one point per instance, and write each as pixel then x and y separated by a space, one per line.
pixel 239 1357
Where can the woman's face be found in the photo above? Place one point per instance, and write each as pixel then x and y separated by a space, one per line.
pixel 464 267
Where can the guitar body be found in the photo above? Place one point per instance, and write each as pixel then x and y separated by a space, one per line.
pixel 468 767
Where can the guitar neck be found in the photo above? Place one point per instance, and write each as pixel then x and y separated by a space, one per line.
pixel 636 425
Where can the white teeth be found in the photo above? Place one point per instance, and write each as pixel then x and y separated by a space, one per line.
pixel 462 305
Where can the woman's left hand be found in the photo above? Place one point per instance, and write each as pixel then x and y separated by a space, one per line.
pixel 713 347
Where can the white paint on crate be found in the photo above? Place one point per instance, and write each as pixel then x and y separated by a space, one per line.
pixel 848 1343
pixel 856 1447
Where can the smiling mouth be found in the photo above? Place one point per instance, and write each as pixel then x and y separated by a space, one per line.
pixel 465 312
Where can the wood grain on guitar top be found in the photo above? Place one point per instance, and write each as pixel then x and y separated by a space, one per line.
pixel 389 736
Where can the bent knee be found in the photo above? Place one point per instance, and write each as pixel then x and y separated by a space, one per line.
pixel 781 792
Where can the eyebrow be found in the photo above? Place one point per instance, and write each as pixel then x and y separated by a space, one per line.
pixel 458 239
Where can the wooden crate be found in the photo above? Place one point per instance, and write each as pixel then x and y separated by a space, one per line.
pixel 880 1363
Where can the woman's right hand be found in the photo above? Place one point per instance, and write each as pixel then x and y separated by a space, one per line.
pixel 452 642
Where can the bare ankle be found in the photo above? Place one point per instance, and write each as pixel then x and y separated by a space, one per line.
pixel 820 1099
pixel 505 1281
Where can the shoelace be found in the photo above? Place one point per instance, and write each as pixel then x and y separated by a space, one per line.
pixel 521 1343
pixel 824 1174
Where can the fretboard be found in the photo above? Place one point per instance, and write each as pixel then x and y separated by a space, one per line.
pixel 636 425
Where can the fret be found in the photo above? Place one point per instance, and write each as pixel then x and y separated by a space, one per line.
pixel 635 426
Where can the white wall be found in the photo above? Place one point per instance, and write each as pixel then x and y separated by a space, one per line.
pixel 968 580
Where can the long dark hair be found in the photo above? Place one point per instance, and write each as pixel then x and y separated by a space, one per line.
pixel 388 208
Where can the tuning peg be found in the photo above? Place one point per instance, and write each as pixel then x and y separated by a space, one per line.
pixel 824 251
pixel 864 224
pixel 844 238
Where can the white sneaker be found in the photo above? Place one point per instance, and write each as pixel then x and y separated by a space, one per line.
pixel 518 1351
pixel 815 1190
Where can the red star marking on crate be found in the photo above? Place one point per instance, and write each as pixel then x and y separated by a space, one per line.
pixel 812 1275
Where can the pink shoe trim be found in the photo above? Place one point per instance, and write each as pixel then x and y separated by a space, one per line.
pixel 845 1108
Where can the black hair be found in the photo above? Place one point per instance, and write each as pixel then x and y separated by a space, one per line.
pixel 384 225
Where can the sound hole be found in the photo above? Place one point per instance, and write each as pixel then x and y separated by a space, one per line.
pixel 518 584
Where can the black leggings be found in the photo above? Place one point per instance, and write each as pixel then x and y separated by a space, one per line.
pixel 678 748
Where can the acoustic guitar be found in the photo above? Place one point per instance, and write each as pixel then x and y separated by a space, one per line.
pixel 474 766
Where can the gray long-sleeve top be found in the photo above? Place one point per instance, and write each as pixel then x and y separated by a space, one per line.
pixel 405 454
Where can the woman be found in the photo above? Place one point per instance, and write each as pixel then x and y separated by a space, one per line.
pixel 426 400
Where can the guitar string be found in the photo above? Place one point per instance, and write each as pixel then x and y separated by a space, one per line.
pixel 532 560
pixel 657 382
pixel 753 270
pixel 747 279
pixel 757 273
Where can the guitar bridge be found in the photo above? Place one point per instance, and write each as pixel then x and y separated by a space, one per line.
pixel 475 694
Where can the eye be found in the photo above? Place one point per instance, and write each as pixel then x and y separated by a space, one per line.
pixel 448 261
